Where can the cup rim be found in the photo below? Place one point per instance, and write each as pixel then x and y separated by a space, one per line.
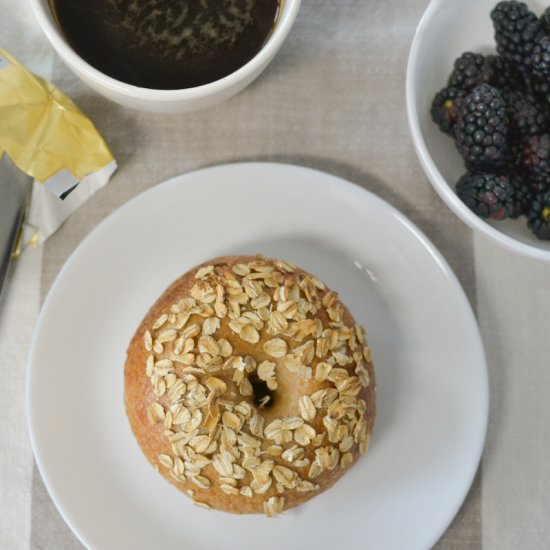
pixel 438 182
pixel 287 15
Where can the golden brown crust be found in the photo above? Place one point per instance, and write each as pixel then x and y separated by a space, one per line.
pixel 151 436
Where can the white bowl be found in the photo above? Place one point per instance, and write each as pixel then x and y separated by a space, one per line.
pixel 447 29
pixel 167 101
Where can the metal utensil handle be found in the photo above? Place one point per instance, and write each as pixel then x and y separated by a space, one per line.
pixel 15 190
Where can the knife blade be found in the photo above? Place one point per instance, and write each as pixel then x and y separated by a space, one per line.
pixel 15 191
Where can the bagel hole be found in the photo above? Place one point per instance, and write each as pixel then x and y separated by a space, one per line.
pixel 262 395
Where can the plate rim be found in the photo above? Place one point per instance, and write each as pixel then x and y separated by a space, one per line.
pixel 440 261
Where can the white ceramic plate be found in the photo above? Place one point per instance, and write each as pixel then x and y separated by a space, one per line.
pixel 429 360
pixel 447 29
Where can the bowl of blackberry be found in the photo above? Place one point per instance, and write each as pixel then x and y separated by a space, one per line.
pixel 478 102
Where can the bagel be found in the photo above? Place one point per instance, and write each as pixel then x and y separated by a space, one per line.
pixel 249 386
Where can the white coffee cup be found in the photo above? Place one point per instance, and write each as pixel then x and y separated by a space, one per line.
pixel 167 101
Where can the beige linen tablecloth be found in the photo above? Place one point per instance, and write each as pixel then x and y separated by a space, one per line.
pixel 333 99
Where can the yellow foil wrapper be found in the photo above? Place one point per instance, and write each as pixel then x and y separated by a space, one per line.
pixel 44 132
pixel 47 136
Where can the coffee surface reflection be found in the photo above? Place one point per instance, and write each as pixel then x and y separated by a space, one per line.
pixel 166 44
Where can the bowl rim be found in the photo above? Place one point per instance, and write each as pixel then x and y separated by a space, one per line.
pixel 288 10
pixel 431 170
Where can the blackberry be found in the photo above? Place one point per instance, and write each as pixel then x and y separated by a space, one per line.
pixel 489 195
pixel 470 70
pixel 503 75
pixel 545 21
pixel 445 106
pixel 540 58
pixel 517 29
pixel 481 129
pixel 523 190
pixel 535 155
pixel 540 88
pixel 538 216
pixel 527 118
pixel 538 184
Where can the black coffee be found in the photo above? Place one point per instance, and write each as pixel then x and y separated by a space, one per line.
pixel 166 44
